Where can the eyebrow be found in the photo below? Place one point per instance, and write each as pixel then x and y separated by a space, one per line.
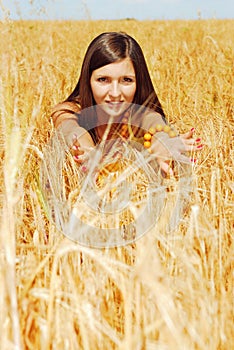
pixel 124 75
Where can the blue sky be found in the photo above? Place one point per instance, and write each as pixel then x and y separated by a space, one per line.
pixel 116 9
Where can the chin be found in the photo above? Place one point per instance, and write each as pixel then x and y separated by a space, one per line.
pixel 114 110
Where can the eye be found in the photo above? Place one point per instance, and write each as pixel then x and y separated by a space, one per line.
pixel 127 80
pixel 102 79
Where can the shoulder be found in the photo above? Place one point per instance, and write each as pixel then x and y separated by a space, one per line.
pixel 65 110
pixel 151 118
pixel 68 107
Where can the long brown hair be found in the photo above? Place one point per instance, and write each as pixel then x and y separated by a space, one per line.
pixel 107 48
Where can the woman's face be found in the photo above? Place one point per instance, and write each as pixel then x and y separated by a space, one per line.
pixel 114 86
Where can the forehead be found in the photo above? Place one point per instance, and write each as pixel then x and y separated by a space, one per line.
pixel 118 68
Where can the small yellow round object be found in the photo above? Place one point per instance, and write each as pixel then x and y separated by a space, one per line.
pixel 147 136
pixel 115 168
pixel 124 127
pixel 159 127
pixel 125 120
pixel 152 131
pixel 147 144
pixel 166 128
pixel 172 133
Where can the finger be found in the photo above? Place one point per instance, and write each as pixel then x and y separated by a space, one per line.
pixel 76 143
pixel 81 158
pixel 165 167
pixel 184 159
pixel 76 148
pixel 192 141
pixel 193 148
pixel 74 138
pixel 189 142
pixel 86 148
pixel 188 134
pixel 77 159
pixel 76 151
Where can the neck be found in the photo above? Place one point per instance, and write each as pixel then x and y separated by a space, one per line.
pixel 105 121
pixel 104 118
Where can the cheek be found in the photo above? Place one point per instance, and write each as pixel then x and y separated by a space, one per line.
pixel 97 91
pixel 131 93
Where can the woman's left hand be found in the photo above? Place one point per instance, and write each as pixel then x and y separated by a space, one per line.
pixel 167 149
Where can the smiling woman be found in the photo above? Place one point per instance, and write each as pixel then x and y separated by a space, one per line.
pixel 113 88
pixel 114 85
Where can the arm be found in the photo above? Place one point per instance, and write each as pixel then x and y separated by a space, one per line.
pixel 70 128
pixel 152 119
pixel 65 120
pixel 167 146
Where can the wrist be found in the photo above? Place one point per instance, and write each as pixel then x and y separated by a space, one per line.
pixel 158 128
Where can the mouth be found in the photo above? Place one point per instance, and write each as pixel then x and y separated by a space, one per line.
pixel 113 108
pixel 114 104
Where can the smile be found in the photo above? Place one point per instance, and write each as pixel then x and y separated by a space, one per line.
pixel 114 103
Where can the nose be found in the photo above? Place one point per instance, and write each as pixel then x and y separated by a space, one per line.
pixel 115 91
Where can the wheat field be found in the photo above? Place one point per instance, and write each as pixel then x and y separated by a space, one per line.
pixel 164 292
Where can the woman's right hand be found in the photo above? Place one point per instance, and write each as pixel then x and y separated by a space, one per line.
pixel 76 150
pixel 80 153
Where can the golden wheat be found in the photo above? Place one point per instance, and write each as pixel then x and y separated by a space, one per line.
pixel 165 291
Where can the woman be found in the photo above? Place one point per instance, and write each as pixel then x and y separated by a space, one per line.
pixel 115 91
